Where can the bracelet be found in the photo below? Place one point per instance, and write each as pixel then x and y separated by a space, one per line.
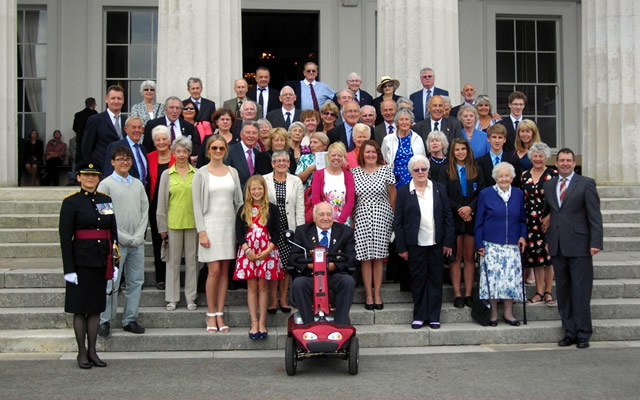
pixel 246 251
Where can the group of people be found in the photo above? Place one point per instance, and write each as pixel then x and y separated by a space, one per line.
pixel 407 181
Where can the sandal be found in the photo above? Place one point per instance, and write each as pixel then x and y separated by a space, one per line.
pixel 530 301
pixel 171 306
pixel 213 328
pixel 550 301
pixel 223 328
pixel 191 306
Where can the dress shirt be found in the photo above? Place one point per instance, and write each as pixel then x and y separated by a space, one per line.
pixel 463 185
pixel 424 98
pixel 292 112
pixel 427 230
pixel 356 96
pixel 568 178
pixel 322 91
pixel 387 125
pixel 113 122
pixel 348 130
pixel 196 102
pixel 136 158
pixel 494 156
pixel 244 151
pixel 320 234
pixel 126 180
pixel 265 99
pixel 176 127
pixel 514 119
pixel 439 124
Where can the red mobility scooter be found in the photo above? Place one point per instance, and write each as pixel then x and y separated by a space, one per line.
pixel 321 338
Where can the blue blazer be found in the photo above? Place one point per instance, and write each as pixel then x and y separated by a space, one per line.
pixel 496 223
pixel 107 169
pixel 418 104
pixel 406 221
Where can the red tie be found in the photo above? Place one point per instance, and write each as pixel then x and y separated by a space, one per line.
pixel 563 189
pixel 314 98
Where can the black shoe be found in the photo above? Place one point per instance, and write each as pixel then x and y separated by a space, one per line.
pixel 285 310
pixel 417 324
pixel 133 327
pixel 468 301
pixel 272 310
pixel 97 362
pixel 83 365
pixel 368 306
pixel 160 285
pixel 434 325
pixel 583 343
pixel 458 302
pixel 493 323
pixel 513 322
pixel 566 341
pixel 378 306
pixel 105 329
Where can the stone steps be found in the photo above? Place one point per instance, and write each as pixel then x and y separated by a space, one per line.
pixel 238 316
pixel 38 250
pixel 152 297
pixel 378 335
pixel 621 216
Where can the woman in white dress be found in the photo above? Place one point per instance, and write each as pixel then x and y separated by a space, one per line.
pixel 217 196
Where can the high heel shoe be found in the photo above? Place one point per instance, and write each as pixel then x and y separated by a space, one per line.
pixel 212 328
pixel 493 323
pixel 285 310
pixel 223 328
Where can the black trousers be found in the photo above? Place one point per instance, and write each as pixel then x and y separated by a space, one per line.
pixel 342 285
pixel 574 283
pixel 426 264
pixel 156 240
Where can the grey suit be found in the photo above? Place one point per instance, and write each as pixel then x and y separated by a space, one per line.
pixel 575 227
pixel 232 104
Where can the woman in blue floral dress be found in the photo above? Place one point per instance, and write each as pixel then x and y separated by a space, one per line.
pixel 500 233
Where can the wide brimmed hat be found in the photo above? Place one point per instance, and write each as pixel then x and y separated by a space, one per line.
pixel 387 79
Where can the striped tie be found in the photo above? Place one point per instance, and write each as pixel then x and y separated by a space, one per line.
pixel 563 189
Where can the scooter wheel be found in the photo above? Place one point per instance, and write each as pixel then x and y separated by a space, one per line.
pixel 290 359
pixel 354 356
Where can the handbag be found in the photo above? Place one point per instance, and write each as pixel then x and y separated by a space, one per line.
pixel 481 308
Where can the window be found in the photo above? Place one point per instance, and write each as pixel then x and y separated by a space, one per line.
pixel 527 61
pixel 32 70
pixel 131 39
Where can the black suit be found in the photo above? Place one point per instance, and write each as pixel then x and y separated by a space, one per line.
pixel 457 200
pixel 107 169
pixel 365 98
pixel 79 124
pixel 575 227
pixel 98 135
pixel 342 253
pixel 425 262
pixel 339 134
pixel 273 102
pixel 187 130
pixel 380 132
pixel 277 119
pixel 451 128
pixel 237 158
pixel 206 109
pixel 510 144
pixel 485 166
pixel 376 104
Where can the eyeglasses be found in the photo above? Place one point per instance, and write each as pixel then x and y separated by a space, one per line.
pixel 287 95
pixel 148 89
pixel 281 161
pixel 427 76
pixel 121 160
pixel 311 70
pixel 189 108
pixel 217 148
pixel 416 170
pixel 354 81
pixel 329 114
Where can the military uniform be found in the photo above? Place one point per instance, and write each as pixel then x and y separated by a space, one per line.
pixel 83 213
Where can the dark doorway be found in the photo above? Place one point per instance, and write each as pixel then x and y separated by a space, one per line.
pixel 280 41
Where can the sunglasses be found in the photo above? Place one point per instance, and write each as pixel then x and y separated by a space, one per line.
pixel 148 89
pixel 217 148
pixel 330 114
pixel 189 108
pixel 416 170
pixel 388 85
pixel 311 70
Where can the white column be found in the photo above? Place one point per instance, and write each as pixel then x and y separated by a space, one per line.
pixel 413 34
pixel 611 90
pixel 8 81
pixel 200 38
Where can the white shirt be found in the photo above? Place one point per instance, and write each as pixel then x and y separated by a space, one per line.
pixel 113 121
pixel 253 153
pixel 568 178
pixel 387 125
pixel 176 127
pixel 427 230
pixel 439 124
pixel 265 99
pixel 285 111
pixel 320 234
pixel 514 119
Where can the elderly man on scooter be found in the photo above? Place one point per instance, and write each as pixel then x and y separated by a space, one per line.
pixel 340 242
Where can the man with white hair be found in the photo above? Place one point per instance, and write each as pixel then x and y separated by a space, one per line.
pixel 240 88
pixel 368 115
pixel 421 97
pixel 353 83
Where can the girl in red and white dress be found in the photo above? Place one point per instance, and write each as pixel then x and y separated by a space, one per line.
pixel 258 261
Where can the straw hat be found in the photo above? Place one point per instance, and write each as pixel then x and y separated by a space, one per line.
pixel 387 79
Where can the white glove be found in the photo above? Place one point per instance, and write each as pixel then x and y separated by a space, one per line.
pixel 71 278
pixel 115 274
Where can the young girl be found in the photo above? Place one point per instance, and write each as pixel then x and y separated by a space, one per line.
pixel 258 261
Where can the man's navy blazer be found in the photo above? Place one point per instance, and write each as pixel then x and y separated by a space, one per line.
pixel 406 222
pixel 418 103
pixel 187 129
pixel 98 135
pixel 107 169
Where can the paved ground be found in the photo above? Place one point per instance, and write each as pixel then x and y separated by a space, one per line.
pixel 544 371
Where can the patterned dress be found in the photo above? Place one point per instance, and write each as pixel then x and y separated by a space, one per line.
pixel 504 272
pixel 306 160
pixel 258 240
pixel 335 193
pixel 401 162
pixel 535 254
pixel 284 248
pixel 372 213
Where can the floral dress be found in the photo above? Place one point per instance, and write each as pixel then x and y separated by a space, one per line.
pixel 258 239
pixel 335 192
pixel 535 253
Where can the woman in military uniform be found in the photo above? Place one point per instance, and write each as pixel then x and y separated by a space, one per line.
pixel 88 235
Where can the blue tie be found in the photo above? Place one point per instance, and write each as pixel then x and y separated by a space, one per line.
pixel 463 181
pixel 496 160
pixel 324 241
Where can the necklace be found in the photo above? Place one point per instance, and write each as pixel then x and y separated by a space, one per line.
pixel 435 160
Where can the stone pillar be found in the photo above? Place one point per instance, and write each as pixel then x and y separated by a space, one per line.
pixel 217 61
pixel 8 81
pixel 413 34
pixel 611 90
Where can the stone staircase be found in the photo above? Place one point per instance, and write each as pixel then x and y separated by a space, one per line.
pixel 32 294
